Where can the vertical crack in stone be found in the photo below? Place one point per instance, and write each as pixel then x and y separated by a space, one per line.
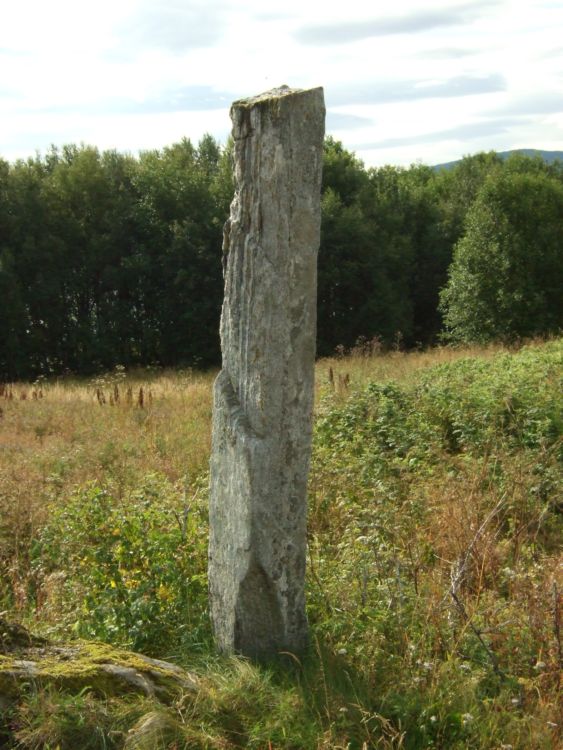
pixel 263 396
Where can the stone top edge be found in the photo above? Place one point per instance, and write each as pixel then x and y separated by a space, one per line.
pixel 276 93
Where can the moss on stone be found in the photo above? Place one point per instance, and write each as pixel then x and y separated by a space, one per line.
pixel 102 668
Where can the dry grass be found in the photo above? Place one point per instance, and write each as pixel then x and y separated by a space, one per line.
pixel 385 553
pixel 65 438
pixel 70 436
pixel 57 435
pixel 114 429
pixel 346 373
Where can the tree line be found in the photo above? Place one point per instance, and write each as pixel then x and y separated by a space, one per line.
pixel 107 258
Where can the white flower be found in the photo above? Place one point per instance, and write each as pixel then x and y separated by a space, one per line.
pixel 433 719
pixel 466 719
pixel 342 652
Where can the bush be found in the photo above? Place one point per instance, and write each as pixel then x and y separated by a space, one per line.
pixel 453 476
pixel 506 276
pixel 129 571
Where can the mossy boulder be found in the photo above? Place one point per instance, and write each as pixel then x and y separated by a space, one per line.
pixel 26 659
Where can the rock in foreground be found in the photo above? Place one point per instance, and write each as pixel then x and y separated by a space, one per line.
pixel 105 670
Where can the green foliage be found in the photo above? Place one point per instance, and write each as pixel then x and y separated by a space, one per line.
pixel 446 480
pixel 343 172
pixel 387 240
pixel 129 570
pixel 465 406
pixel 108 259
pixel 370 277
pixel 506 277
pixel 411 484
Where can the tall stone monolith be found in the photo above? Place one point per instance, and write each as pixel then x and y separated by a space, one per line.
pixel 263 396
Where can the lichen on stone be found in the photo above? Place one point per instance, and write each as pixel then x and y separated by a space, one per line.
pixel 105 670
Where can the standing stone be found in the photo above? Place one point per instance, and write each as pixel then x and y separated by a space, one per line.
pixel 263 396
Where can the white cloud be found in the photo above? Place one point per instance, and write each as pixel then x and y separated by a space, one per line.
pixel 135 74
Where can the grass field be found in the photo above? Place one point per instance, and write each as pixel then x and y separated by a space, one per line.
pixel 435 567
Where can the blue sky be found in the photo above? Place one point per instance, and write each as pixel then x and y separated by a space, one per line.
pixel 404 81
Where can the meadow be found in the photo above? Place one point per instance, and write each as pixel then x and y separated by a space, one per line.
pixel 434 562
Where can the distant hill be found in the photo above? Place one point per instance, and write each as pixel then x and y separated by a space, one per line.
pixel 547 156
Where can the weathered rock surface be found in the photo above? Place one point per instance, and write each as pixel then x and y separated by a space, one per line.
pixel 106 670
pixel 263 397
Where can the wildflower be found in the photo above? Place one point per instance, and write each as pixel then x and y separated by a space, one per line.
pixel 465 667
pixel 164 593
pixel 466 719
pixel 433 719
pixel 342 651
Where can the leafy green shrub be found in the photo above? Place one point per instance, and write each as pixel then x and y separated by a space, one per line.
pixel 130 570
pixel 513 401
pixel 455 470
pixel 505 278
pixel 469 405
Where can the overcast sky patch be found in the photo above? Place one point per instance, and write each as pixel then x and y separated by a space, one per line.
pixel 135 74
pixel 549 54
pixel 339 121
pixel 408 23
pixel 544 103
pixel 175 26
pixel 9 52
pixel 444 53
pixel 8 93
pixel 396 91
pixel 469 131
pixel 188 99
